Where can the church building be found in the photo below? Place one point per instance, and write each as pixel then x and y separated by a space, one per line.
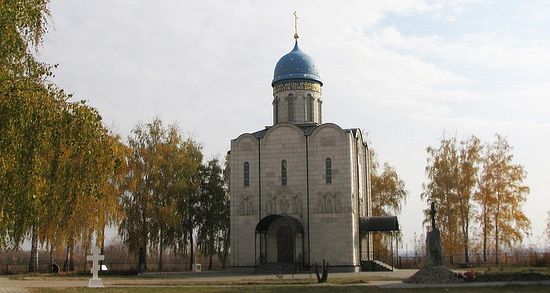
pixel 300 187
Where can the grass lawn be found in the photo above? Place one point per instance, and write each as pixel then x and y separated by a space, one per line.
pixel 337 283
pixel 511 269
pixel 169 281
pixel 292 288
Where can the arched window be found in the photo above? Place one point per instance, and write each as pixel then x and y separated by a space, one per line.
pixel 283 172
pixel 246 171
pixel 309 107
pixel 320 112
pixel 276 110
pixel 328 171
pixel 290 100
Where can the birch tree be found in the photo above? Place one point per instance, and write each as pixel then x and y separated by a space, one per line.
pixel 501 196
pixel 210 209
pixel 388 194
pixel 452 173
pixel 468 167
pixel 137 224
pixel 442 172
pixel 55 155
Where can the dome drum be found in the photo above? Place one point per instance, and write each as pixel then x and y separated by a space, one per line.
pixel 296 85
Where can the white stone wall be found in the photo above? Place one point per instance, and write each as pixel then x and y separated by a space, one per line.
pixel 331 205
pixel 283 141
pixel 244 200
pixel 333 216
pixel 359 188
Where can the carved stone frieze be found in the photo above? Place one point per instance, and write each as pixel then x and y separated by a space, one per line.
pixel 271 204
pixel 297 204
pixel 246 207
pixel 328 203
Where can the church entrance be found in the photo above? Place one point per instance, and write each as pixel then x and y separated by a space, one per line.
pixel 285 245
pixel 279 244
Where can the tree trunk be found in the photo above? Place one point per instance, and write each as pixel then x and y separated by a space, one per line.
pixel 68 264
pixel 66 260
pixel 142 258
pixel 102 246
pixel 191 256
pixel 85 254
pixel 485 234
pixel 71 257
pixel 496 240
pixel 33 260
pixel 50 260
pixel 497 216
pixel 190 231
pixel 161 250
pixel 210 260
pixel 466 244
pixel 224 257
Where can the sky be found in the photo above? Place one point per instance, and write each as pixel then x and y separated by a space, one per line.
pixel 407 72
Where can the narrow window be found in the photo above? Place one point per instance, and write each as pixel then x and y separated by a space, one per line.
pixel 320 113
pixel 276 110
pixel 328 171
pixel 246 174
pixel 309 105
pixel 290 100
pixel 283 172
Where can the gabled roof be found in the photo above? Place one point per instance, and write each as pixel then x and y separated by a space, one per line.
pixel 307 129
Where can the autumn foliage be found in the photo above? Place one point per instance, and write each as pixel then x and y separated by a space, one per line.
pixel 478 186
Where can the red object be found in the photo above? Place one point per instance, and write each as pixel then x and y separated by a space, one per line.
pixel 469 276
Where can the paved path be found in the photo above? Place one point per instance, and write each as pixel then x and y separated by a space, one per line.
pixel 41 283
pixel 13 290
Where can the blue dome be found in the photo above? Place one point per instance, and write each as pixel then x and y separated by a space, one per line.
pixel 296 65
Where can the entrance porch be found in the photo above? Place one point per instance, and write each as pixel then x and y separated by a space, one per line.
pixel 279 244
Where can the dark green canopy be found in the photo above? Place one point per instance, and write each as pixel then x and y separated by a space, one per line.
pixel 263 224
pixel 379 224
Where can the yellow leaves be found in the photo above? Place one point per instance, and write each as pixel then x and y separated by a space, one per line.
pixel 388 192
pixel 503 192
pixel 163 176
pixel 463 174
pixel 58 155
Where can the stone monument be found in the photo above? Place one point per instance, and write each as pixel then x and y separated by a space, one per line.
pixel 434 271
pixel 95 282
pixel 434 253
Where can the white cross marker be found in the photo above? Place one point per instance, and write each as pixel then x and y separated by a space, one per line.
pixel 95 258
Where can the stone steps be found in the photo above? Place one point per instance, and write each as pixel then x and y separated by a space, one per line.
pixel 376 266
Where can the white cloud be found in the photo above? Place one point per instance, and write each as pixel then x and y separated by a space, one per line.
pixel 208 65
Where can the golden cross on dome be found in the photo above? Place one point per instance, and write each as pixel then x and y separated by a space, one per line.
pixel 295 26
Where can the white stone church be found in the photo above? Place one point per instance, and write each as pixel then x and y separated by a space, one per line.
pixel 299 187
